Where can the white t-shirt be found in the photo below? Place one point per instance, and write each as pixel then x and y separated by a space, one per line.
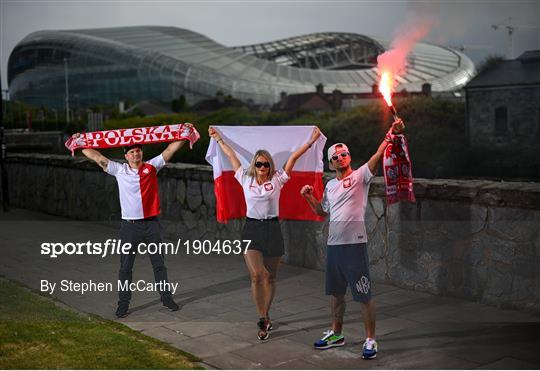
pixel 139 193
pixel 345 200
pixel 262 201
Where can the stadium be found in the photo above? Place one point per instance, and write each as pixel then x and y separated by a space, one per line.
pixel 152 63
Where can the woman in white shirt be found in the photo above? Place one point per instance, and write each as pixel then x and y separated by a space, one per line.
pixel 262 185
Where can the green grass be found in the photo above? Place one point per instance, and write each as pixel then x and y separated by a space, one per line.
pixel 36 334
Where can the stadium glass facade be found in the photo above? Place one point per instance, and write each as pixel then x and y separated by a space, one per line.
pixel 108 65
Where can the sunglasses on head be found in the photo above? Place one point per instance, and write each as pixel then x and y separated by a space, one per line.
pixel 342 154
pixel 260 164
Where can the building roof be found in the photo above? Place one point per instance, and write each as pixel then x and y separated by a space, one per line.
pixel 525 70
pixel 198 67
pixel 217 103
pixel 297 101
pixel 150 108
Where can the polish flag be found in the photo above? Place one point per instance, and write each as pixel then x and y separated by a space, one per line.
pixel 281 142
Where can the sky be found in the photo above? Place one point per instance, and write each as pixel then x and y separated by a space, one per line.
pixel 459 23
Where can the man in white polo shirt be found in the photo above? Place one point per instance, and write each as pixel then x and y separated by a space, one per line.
pixel 344 200
pixel 139 201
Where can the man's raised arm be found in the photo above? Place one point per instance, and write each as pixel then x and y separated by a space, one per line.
pixel 397 128
pixel 94 155
pixel 307 193
pixel 172 148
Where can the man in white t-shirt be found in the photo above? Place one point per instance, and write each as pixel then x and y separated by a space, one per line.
pixel 347 264
pixel 139 201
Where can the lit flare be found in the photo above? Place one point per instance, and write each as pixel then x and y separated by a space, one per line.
pixel 385 87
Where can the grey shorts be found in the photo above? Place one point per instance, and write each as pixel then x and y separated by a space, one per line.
pixel 348 265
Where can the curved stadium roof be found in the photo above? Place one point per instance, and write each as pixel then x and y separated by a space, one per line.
pixel 107 65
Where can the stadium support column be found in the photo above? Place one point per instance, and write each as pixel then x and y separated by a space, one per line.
pixel 3 147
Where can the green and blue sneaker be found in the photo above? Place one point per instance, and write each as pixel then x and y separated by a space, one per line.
pixel 369 350
pixel 330 340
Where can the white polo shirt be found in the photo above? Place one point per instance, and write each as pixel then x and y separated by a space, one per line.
pixel 345 200
pixel 139 193
pixel 262 201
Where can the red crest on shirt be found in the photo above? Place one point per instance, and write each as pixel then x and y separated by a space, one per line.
pixel 347 182
pixel 268 186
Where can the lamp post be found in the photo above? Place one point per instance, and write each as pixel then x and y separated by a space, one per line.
pixel 67 90
pixel 5 98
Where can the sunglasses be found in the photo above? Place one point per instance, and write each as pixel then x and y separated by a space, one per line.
pixel 261 164
pixel 342 154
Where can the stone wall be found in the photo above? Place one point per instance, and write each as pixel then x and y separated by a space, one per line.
pixel 473 239
pixel 523 108
pixel 35 141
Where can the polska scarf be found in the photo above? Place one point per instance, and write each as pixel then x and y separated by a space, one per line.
pixel 397 169
pixel 129 137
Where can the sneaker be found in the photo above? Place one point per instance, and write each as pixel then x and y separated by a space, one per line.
pixel 122 310
pixel 169 303
pixel 369 350
pixel 330 340
pixel 264 327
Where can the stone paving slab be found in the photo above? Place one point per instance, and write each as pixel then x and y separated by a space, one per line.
pixel 194 329
pixel 233 362
pixel 307 319
pixel 509 363
pixel 213 344
pixel 145 325
pixel 275 352
pixel 167 335
pixel 301 303
pixel 217 317
pixel 295 364
pixel 425 359
pixel 399 297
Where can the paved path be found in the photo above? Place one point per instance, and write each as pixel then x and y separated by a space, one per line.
pixel 217 318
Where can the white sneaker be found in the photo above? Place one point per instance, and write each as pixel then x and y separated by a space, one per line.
pixel 369 350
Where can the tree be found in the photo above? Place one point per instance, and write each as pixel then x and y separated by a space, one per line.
pixel 489 62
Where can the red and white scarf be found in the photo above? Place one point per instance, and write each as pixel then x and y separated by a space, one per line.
pixel 129 137
pixel 397 169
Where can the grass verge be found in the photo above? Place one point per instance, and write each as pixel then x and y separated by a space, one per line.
pixel 36 334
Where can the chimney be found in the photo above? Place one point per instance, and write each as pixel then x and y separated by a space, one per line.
pixel 320 88
pixel 426 89
pixel 283 96
pixel 220 97
pixel 337 100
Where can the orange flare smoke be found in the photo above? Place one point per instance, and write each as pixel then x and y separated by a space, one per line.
pixel 393 62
